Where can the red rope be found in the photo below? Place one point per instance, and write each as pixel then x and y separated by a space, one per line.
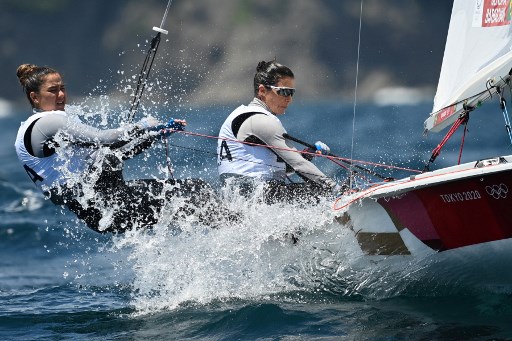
pixel 302 152
pixel 435 153
pixel 462 143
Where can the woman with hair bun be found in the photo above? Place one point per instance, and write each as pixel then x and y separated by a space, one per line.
pixel 64 157
pixel 242 155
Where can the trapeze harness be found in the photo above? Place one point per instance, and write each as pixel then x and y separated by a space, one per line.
pixel 238 159
pixel 46 171
pixel 243 159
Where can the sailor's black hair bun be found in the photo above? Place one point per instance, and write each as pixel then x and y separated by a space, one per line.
pixel 262 66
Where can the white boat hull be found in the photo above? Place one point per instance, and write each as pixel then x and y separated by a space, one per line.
pixel 452 208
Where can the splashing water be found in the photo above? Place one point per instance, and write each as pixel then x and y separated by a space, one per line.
pixel 254 256
pixel 257 257
pixel 182 262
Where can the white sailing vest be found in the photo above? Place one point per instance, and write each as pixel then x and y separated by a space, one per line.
pixel 234 157
pixel 46 172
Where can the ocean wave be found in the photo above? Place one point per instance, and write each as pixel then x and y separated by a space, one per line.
pixel 19 199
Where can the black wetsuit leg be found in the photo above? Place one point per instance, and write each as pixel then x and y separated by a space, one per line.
pixel 303 192
pixel 201 201
pixel 276 191
pixel 138 203
pixel 134 206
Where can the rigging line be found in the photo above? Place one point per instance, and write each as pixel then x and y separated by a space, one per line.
pixel 503 106
pixel 462 119
pixel 168 160
pixel 147 65
pixel 368 171
pixel 330 157
pixel 507 123
pixel 259 163
pixel 165 14
pixel 144 75
pixel 463 140
pixel 355 92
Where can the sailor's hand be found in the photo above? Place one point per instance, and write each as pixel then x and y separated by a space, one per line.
pixel 172 126
pixel 176 124
pixel 322 148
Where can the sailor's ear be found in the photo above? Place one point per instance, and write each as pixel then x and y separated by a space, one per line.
pixel 261 90
pixel 33 97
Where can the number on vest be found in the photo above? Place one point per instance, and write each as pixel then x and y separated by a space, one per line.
pixel 32 174
pixel 224 148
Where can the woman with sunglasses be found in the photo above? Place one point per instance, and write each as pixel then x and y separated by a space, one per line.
pixel 251 146
pixel 80 167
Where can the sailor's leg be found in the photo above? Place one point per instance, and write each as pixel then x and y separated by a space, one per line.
pixel 303 192
pixel 202 201
pixel 136 205
pixel 90 215
pixel 68 197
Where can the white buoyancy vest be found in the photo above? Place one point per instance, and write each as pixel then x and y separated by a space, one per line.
pixel 46 172
pixel 234 157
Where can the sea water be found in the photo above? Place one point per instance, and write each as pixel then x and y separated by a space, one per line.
pixel 246 280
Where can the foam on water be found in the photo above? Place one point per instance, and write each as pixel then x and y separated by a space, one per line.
pixel 257 258
pixel 252 257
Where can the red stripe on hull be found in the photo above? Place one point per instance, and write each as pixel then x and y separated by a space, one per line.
pixel 458 213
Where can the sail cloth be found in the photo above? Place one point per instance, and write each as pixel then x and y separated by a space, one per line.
pixel 478 49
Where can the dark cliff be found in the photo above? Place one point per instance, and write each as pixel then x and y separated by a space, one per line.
pixel 213 46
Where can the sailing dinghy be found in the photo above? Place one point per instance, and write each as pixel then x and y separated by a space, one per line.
pixel 465 207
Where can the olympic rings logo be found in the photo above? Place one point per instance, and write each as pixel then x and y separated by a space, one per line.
pixel 497 191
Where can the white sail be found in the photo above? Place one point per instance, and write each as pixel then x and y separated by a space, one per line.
pixel 478 51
